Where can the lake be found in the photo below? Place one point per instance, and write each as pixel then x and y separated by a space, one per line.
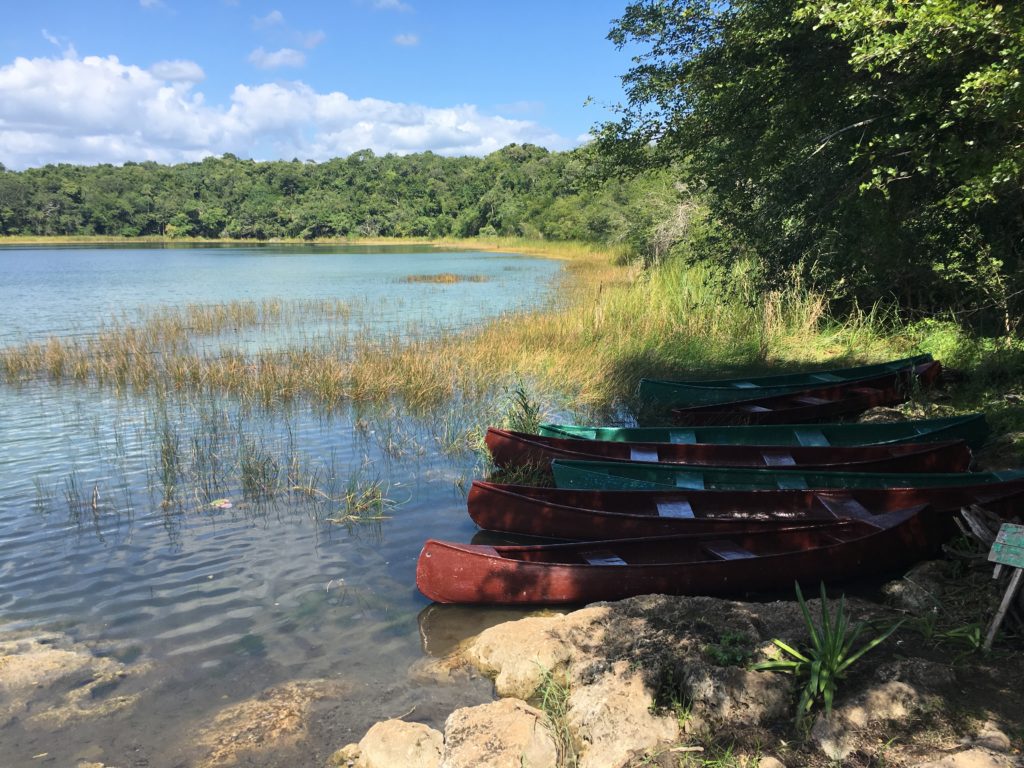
pixel 139 528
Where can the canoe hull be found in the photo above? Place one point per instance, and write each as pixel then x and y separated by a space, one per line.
pixel 579 514
pixel 516 449
pixel 558 574
pixel 810 405
pixel 972 428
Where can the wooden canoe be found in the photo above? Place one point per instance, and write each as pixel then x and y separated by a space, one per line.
pixel 692 564
pixel 566 513
pixel 624 475
pixel 819 404
pixel 514 449
pixel 697 392
pixel 972 428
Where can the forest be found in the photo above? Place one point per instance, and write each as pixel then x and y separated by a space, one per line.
pixel 871 151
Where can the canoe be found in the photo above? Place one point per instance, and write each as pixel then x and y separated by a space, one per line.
pixel 691 564
pixel 972 428
pixel 819 404
pixel 697 392
pixel 516 449
pixel 623 475
pixel 566 513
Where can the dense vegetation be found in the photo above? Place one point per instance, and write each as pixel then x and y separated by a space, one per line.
pixel 521 190
pixel 874 148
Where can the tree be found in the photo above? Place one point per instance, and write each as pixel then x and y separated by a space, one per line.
pixel 874 145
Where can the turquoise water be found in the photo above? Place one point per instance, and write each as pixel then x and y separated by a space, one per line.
pixel 104 544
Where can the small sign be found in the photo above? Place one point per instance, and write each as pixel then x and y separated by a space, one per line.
pixel 1008 548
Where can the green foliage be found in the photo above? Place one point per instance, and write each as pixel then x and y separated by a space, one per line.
pixel 733 649
pixel 873 145
pixel 829 656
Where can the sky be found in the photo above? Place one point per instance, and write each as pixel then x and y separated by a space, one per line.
pixel 110 81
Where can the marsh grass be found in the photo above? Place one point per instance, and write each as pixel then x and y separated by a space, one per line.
pixel 552 698
pixel 607 325
pixel 445 278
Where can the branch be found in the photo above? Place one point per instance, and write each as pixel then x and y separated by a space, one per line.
pixel 829 138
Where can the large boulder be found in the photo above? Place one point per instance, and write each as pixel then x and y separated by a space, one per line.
pixel 503 734
pixel 611 719
pixel 397 743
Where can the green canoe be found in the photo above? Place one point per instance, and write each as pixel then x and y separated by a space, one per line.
pixel 972 429
pixel 620 475
pixel 696 392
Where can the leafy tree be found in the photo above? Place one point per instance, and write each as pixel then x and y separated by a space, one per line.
pixel 874 145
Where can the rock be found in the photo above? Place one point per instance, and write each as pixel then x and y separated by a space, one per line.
pixel 973 758
pixel 611 719
pixel 345 757
pixel 920 590
pixel 770 762
pixel 836 735
pixel 503 734
pixel 736 696
pixel 990 736
pixel 398 743
pixel 276 718
pixel 47 681
pixel 521 652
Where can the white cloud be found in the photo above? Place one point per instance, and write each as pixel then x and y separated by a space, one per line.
pixel 312 39
pixel 69 50
pixel 286 57
pixel 407 39
pixel 151 3
pixel 272 19
pixel 390 5
pixel 97 109
pixel 178 70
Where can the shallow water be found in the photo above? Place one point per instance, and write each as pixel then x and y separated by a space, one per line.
pixel 104 543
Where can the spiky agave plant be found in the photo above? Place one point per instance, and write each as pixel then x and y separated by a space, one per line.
pixel 828 657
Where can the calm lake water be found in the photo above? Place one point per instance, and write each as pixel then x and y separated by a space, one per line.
pixel 211 604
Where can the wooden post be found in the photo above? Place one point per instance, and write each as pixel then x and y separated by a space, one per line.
pixel 1008 550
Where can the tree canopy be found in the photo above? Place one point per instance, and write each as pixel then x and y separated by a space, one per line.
pixel 876 147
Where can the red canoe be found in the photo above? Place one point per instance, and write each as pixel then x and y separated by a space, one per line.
pixel 816 404
pixel 579 514
pixel 695 564
pixel 512 449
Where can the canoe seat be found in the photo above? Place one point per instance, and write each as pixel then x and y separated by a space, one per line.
pixel 790 481
pixel 844 506
pixel 602 557
pixel 682 436
pixel 643 454
pixel 778 459
pixel 810 437
pixel 692 482
pixel 726 550
pixel 755 409
pixel 675 509
pixel 811 400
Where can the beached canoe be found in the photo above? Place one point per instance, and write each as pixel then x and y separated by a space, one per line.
pixel 696 564
pixel 972 428
pixel 697 392
pixel 517 449
pixel 566 513
pixel 821 404
pixel 623 475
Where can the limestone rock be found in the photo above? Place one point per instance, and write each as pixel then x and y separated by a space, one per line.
pixel 736 696
pixel 345 757
pixel 610 719
pixel 974 758
pixel 836 735
pixel 503 734
pixel 398 743
pixel 770 762
pixel 519 653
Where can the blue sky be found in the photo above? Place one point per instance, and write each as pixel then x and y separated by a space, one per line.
pixel 88 81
